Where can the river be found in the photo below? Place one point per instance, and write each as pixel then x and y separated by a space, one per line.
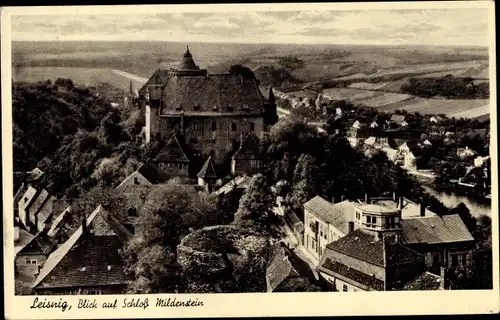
pixel 451 200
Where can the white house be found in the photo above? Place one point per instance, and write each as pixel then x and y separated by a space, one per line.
pixel 325 222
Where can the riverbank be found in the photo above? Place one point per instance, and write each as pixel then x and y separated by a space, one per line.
pixel 477 205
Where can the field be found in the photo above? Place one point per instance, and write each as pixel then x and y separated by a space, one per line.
pixel 80 76
pixel 368 75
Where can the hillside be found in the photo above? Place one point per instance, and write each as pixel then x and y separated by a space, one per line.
pixel 76 128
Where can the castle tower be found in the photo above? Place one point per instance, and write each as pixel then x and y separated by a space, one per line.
pixel 187 62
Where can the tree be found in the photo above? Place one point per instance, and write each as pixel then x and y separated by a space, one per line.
pixel 464 213
pixel 170 212
pixel 255 206
pixel 108 171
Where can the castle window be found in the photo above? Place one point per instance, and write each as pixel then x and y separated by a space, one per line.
pixel 215 108
pixel 196 125
pixel 136 180
pixel 178 108
pixel 212 153
pixel 194 140
pixel 214 125
pixel 233 126
pixel 196 106
pixel 230 108
pixel 252 126
pixel 344 288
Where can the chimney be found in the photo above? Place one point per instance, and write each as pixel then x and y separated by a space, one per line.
pixel 333 199
pixel 394 196
pixel 351 226
pixel 400 206
pixel 84 226
pixel 366 198
pixel 342 198
pixel 422 209
pixel 442 284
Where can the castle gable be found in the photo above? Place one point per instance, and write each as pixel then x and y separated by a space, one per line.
pixel 172 152
pixel 249 149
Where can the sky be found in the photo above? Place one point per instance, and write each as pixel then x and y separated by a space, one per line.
pixel 467 26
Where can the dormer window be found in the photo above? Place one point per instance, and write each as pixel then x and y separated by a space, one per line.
pixel 178 108
pixel 215 108
pixel 245 107
pixel 196 107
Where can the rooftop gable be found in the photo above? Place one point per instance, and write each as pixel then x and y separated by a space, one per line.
pixel 208 171
pixel 172 151
pixel 28 198
pixel 249 149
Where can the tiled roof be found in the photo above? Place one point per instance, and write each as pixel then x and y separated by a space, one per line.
pixel 208 171
pixel 216 92
pixel 56 256
pixel 40 244
pixel 278 267
pixel 172 152
pixel 338 214
pixel 425 281
pixel 363 246
pixel 93 252
pixel 158 77
pixel 95 261
pixel 249 149
pixel 438 229
pixel 330 266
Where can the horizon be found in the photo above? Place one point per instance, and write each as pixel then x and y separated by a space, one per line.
pixel 464 27
pixel 265 43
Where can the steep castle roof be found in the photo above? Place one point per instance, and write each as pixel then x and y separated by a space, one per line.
pixel 208 171
pixel 188 88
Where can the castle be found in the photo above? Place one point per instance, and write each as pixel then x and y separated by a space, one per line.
pixel 205 116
